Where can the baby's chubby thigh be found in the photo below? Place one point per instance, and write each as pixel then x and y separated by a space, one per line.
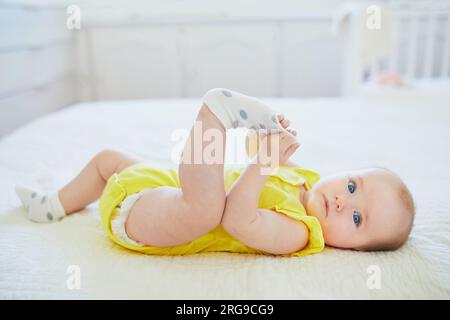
pixel 162 218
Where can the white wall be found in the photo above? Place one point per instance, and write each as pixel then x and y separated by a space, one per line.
pixel 185 60
pixel 36 69
pixel 163 49
pixel 183 48
pixel 153 49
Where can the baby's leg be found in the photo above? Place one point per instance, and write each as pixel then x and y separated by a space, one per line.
pixel 88 186
pixel 167 216
pixel 78 193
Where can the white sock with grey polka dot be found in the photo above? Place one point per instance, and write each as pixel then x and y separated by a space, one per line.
pixel 41 207
pixel 235 110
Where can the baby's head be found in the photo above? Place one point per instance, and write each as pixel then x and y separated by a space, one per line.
pixel 366 209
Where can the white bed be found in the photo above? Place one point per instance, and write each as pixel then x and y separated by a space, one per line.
pixel 407 133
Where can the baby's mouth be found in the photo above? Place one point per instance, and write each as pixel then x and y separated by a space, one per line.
pixel 325 201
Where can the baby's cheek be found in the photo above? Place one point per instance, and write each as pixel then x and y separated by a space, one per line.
pixel 331 235
pixel 337 235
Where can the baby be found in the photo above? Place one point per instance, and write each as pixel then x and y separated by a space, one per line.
pixel 270 206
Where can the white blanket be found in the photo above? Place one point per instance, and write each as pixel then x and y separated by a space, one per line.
pixel 408 134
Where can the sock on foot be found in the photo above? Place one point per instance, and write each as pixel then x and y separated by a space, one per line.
pixel 41 207
pixel 235 110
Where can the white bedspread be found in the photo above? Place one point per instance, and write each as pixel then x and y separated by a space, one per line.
pixel 410 136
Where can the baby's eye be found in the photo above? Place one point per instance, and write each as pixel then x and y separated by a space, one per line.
pixel 351 186
pixel 357 218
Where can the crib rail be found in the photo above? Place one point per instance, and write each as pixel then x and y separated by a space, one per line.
pixel 420 47
pixel 419 50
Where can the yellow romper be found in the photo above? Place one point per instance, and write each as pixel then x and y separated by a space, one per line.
pixel 280 193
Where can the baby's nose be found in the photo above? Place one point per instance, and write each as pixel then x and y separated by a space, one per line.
pixel 340 203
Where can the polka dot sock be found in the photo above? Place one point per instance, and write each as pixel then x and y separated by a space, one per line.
pixel 40 207
pixel 236 110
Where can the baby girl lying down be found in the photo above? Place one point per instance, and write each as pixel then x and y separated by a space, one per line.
pixel 270 206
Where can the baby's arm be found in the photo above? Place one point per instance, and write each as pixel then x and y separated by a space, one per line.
pixel 260 229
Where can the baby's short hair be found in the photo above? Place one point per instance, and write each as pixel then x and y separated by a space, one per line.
pixel 406 198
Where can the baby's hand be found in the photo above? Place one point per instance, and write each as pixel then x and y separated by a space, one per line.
pixel 276 149
pixel 253 138
pixel 285 124
pixel 273 149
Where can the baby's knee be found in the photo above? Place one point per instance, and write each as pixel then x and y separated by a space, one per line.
pixel 107 162
pixel 107 154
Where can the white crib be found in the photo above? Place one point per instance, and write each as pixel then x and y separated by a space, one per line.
pixel 419 47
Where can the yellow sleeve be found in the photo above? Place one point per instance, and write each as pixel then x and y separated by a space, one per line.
pixel 316 241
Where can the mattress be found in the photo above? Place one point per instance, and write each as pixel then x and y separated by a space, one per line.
pixel 74 259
